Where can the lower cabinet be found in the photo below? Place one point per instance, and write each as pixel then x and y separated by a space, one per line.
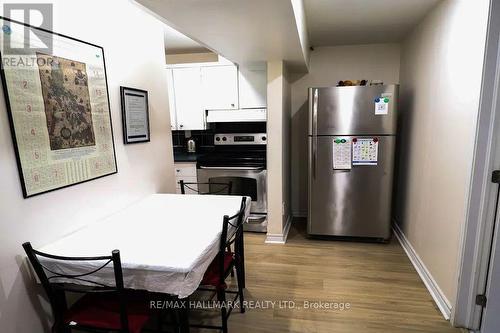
pixel 185 171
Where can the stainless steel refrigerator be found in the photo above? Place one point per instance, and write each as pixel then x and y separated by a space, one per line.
pixel 352 137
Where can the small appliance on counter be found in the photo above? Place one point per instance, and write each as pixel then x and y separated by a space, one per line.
pixel 191 145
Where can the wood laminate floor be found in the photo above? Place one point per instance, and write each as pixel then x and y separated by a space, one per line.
pixel 383 289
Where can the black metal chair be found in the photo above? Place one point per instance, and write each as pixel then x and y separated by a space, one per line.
pixel 215 276
pixel 102 308
pixel 213 187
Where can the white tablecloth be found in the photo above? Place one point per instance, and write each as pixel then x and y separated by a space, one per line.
pixel 166 241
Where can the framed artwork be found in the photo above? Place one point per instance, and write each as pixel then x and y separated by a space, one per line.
pixel 135 115
pixel 58 106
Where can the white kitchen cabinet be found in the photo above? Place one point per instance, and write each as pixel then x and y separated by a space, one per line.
pixel 193 89
pixel 220 87
pixel 187 97
pixel 252 86
pixel 185 171
pixel 171 100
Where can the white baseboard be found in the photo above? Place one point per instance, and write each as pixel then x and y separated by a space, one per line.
pixel 280 238
pixel 437 294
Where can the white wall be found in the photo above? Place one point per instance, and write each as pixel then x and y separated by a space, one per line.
pixel 134 51
pixel 441 67
pixel 182 58
pixel 328 65
pixel 278 149
pixel 301 23
pixel 286 149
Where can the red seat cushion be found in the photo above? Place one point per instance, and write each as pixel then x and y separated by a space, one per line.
pixel 212 275
pixel 103 311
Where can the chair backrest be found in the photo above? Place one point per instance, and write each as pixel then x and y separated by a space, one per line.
pixel 57 283
pixel 213 187
pixel 232 231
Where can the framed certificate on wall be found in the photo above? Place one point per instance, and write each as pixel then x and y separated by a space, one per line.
pixel 135 115
pixel 58 107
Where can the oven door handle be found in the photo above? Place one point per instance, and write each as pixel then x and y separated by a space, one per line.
pixel 231 168
pixel 256 219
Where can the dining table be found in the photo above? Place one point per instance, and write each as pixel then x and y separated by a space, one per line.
pixel 166 242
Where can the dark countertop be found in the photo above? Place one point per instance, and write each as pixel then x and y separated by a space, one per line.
pixel 182 156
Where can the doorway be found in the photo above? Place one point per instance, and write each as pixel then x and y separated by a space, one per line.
pixel 478 293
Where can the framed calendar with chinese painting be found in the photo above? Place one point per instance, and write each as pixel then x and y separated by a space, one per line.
pixel 58 105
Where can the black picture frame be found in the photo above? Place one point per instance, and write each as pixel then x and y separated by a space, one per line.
pixel 12 123
pixel 141 138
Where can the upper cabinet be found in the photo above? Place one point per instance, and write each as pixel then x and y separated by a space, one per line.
pixel 193 89
pixel 220 87
pixel 187 93
pixel 171 99
pixel 252 86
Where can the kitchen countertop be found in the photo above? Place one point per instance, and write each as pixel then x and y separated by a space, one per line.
pixel 183 156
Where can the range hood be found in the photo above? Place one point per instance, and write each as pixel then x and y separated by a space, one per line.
pixel 240 115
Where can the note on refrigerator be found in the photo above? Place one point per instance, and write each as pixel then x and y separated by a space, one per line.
pixel 365 151
pixel 342 153
pixel 382 105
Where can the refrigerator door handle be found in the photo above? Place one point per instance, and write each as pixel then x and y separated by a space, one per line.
pixel 314 155
pixel 314 131
pixel 315 113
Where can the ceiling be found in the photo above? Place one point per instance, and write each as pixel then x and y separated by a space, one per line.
pixel 239 30
pixel 269 30
pixel 340 22
pixel 176 43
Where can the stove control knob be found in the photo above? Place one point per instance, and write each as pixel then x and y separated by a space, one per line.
pixel 263 138
pixel 217 138
pixel 224 138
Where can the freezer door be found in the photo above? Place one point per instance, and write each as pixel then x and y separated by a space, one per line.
pixel 354 202
pixel 351 110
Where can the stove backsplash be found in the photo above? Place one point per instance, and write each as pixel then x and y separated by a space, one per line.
pixel 205 139
pixel 244 127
